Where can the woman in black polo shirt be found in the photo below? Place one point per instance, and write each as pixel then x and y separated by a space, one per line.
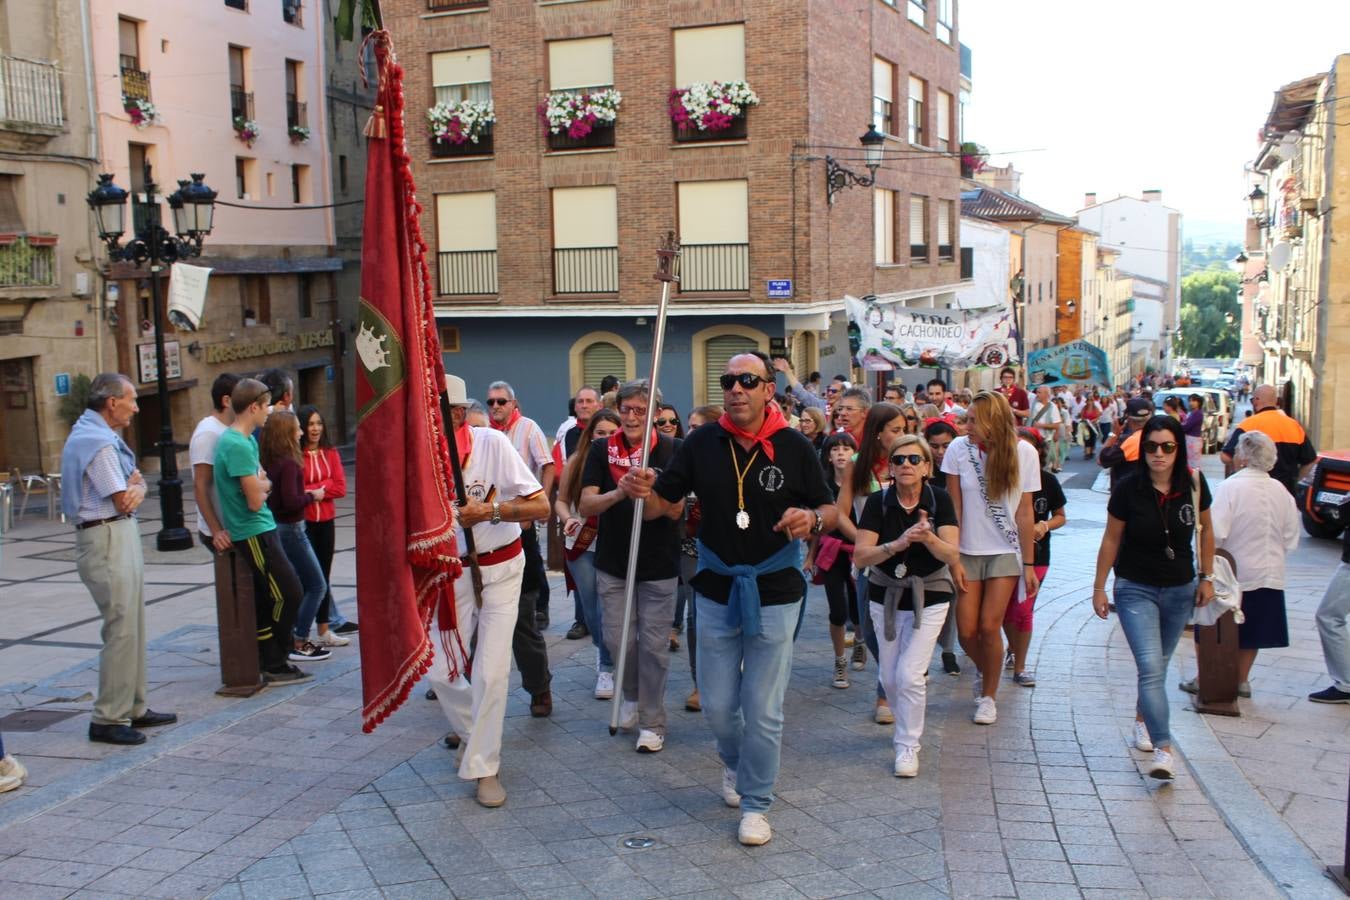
pixel 1150 530
pixel 908 536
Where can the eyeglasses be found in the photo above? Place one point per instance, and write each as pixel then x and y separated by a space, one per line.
pixel 911 418
pixel 747 380
pixel 1155 446
pixel 633 410
pixel 664 422
pixel 913 459
pixel 832 390
pixel 497 401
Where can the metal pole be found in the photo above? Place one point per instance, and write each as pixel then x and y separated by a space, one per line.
pixel 461 498
pixel 666 274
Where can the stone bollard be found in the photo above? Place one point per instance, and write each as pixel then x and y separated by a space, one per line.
pixel 1216 654
pixel 239 670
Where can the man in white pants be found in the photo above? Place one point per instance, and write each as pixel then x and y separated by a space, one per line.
pixel 501 494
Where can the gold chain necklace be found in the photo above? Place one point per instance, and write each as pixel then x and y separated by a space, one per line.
pixel 742 517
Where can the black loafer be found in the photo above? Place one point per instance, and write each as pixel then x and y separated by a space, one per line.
pixel 115 734
pixel 451 741
pixel 347 627
pixel 150 718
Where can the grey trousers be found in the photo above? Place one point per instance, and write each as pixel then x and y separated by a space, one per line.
pixel 111 566
pixel 647 664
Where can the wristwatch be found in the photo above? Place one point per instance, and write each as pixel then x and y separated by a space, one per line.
pixel 819 525
pixel 1204 577
pixel 496 513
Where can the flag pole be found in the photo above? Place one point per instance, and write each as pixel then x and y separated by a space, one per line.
pixel 667 272
pixel 461 498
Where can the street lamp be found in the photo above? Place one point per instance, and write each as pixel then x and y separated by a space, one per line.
pixel 193 206
pixel 1256 202
pixel 837 177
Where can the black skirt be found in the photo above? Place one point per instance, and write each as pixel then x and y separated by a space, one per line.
pixel 1265 626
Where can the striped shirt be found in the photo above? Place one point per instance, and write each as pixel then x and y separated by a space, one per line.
pixel 102 478
pixel 529 441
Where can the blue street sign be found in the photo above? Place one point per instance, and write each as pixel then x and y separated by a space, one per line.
pixel 780 288
pixel 328 373
pixel 62 380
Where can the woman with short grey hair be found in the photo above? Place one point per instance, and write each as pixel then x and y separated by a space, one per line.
pixel 1257 522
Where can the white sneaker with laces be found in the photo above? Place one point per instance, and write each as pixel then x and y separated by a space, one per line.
pixel 12 768
pixel 754 830
pixel 729 795
pixel 1162 767
pixel 330 638
pixel 650 741
pixel 628 715
pixel 986 712
pixel 604 686
pixel 1141 739
pixel 907 763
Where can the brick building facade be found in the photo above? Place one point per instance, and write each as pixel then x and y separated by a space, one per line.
pixel 557 235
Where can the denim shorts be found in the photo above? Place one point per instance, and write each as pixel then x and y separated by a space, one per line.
pixel 998 565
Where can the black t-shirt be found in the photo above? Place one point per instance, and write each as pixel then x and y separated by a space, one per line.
pixel 703 466
pixel 1152 524
pixel 1043 505
pixel 570 438
pixel 883 514
pixel 659 551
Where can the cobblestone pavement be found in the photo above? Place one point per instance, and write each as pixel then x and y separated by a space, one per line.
pixel 280 795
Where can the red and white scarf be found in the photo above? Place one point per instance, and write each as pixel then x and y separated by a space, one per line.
pixel 621 458
pixel 510 422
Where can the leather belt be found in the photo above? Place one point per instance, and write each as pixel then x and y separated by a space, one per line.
pixel 501 554
pixel 80 526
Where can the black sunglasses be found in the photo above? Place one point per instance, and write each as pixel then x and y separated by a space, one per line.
pixel 664 421
pixel 497 401
pixel 747 380
pixel 1155 446
pixel 913 459
pixel 911 418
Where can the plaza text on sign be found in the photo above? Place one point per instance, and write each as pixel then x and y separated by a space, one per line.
pixel 305 340
pixel 780 288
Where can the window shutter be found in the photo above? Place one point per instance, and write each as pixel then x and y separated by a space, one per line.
pixel 709 54
pixel 714 212
pixel 918 216
pixel 466 221
pixel 883 228
pixel 945 223
pixel 717 352
pixel 588 62
pixel 601 359
pixel 585 217
pixel 461 67
pixel 881 79
pixel 944 120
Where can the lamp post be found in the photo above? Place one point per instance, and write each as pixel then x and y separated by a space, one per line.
pixel 837 177
pixel 1256 202
pixel 193 206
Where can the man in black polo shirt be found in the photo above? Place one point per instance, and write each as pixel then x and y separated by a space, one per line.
pixel 762 491
pixel 647 663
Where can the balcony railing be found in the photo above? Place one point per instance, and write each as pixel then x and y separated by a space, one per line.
pixel 30 93
pixel 27 262
pixel 467 272
pixel 443 5
pixel 586 270
pixel 967 262
pixel 241 103
pixel 714 267
pixel 446 149
pixel 918 253
pixel 297 114
pixel 600 136
pixel 290 12
pixel 738 130
pixel 135 84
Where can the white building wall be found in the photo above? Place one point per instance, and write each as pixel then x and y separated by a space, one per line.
pixel 991 246
pixel 1148 235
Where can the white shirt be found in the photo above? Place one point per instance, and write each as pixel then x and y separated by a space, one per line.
pixel 202 449
pixel 980 535
pixel 495 472
pixel 1050 420
pixel 528 439
pixel 1256 520
pixel 565 427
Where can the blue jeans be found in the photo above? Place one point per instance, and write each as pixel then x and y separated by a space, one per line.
pixel 295 544
pixel 742 681
pixel 1153 619
pixel 583 576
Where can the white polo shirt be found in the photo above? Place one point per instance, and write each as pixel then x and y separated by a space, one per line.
pixel 495 472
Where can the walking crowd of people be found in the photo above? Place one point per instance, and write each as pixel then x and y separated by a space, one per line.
pixel 926 516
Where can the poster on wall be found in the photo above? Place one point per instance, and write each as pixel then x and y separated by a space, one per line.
pixel 886 335
pixel 173 362
pixel 1077 362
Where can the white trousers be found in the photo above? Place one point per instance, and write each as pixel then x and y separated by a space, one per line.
pixel 476 707
pixel 902 663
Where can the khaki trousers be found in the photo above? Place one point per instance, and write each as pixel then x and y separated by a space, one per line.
pixel 111 566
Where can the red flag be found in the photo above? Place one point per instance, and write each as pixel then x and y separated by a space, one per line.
pixel 405 547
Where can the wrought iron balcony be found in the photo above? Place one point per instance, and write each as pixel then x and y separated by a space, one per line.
pixel 586 270
pixel 27 261
pixel 446 149
pixel 297 113
pixel 738 130
pixel 135 83
pixel 241 103
pixel 600 136
pixel 466 272
pixel 290 12
pixel 30 95
pixel 445 5
pixel 714 267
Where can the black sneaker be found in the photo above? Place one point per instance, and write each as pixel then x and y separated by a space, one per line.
pixel 347 628
pixel 578 631
pixel 288 675
pixel 949 664
pixel 1330 695
pixel 308 651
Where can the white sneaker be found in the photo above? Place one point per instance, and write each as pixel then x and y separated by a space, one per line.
pixel 9 783
pixel 649 742
pixel 12 768
pixel 330 638
pixel 986 713
pixel 1162 767
pixel 754 830
pixel 628 715
pixel 604 686
pixel 907 763
pixel 1141 738
pixel 729 795
pixel 882 714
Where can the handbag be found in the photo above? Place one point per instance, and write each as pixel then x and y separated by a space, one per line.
pixel 1227 590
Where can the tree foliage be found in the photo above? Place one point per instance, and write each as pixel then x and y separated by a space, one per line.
pixel 1208 299
pixel 72 404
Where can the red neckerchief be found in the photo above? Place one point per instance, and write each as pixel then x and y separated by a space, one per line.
pixel 464 444
pixel 621 458
pixel 773 423
pixel 510 421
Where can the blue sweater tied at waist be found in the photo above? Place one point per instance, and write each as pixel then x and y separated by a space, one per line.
pixel 743 602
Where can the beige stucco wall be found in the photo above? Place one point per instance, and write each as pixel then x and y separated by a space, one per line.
pixel 1331 424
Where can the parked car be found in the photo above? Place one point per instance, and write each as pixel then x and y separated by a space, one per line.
pixel 1218 412
pixel 1324 496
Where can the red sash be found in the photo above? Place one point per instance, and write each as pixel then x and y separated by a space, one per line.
pixel 510 421
pixel 773 423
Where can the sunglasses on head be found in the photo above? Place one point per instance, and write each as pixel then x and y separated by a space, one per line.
pixel 913 459
pixel 747 380
pixel 497 401
pixel 664 421
pixel 1155 446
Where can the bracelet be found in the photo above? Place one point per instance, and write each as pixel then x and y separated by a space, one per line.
pixel 1096 589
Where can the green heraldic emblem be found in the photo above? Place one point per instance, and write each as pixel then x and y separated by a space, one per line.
pixel 382 365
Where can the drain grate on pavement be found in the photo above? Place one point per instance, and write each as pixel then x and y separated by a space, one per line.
pixel 34 719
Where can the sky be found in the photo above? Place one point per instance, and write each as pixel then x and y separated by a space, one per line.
pixel 1118 98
